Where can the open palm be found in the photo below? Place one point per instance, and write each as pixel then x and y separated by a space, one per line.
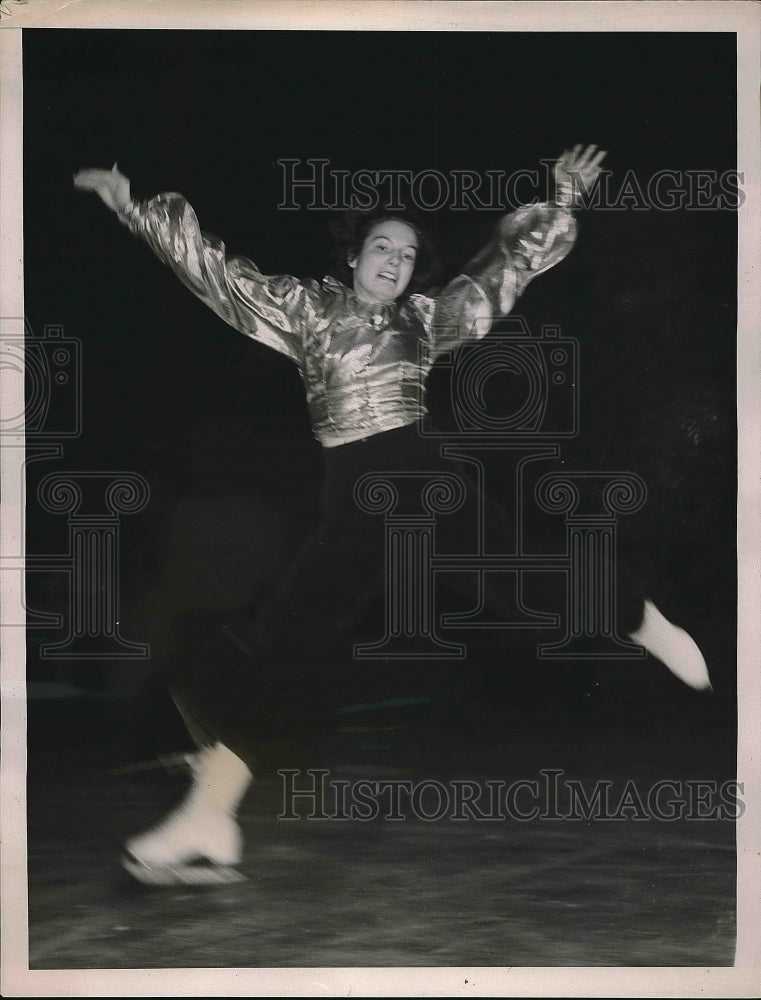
pixel 576 173
pixel 111 185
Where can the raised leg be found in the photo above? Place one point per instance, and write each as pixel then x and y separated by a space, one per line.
pixel 673 647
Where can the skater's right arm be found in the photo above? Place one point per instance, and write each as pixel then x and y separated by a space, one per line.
pixel 267 309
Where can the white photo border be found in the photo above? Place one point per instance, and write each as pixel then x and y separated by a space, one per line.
pixel 740 17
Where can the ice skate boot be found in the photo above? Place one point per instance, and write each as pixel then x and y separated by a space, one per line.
pixel 200 842
pixel 673 647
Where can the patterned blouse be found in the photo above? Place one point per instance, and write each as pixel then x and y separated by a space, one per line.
pixel 363 365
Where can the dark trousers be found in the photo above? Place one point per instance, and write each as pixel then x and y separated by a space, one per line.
pixel 252 678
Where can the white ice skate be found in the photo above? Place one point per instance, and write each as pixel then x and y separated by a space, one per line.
pixel 200 842
pixel 673 647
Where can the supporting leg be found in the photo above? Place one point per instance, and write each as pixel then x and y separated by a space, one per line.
pixel 200 842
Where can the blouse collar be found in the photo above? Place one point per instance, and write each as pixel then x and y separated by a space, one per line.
pixel 375 312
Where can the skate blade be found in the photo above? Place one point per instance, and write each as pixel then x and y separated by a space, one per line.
pixel 198 873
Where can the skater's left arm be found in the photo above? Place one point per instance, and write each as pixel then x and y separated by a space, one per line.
pixel 525 244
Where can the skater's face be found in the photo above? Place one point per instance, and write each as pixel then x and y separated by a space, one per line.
pixel 385 264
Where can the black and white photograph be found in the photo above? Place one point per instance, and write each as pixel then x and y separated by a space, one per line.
pixel 379 564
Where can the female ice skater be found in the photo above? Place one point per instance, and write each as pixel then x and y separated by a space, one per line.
pixel 363 352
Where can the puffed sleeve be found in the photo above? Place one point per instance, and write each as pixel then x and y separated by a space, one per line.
pixel 526 243
pixel 267 309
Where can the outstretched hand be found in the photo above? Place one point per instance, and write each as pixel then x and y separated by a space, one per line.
pixel 576 174
pixel 111 185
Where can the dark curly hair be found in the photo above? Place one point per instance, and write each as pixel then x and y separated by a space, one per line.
pixel 349 232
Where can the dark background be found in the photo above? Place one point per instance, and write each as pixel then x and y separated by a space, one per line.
pixel 172 393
